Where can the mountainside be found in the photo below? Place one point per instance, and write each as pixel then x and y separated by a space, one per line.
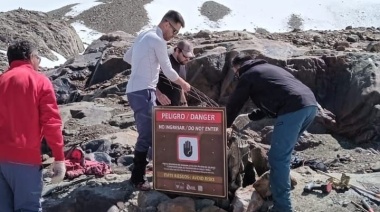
pixel 341 67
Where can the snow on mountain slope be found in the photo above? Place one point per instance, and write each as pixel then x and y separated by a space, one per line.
pixel 272 15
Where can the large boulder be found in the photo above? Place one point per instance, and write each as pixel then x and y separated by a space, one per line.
pixel 101 62
pixel 344 83
pixel 48 33
pixel 351 91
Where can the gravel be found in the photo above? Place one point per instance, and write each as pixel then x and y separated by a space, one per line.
pixel 59 13
pixel 128 15
pixel 114 15
pixel 214 11
pixel 125 15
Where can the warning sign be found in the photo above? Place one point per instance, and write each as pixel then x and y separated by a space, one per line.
pixel 189 145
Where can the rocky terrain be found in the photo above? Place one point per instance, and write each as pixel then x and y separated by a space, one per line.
pixel 49 34
pixel 341 67
pixel 126 15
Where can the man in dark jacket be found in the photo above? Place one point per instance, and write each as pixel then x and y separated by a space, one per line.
pixel 277 94
pixel 169 93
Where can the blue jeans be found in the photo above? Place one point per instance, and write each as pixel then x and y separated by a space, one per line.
pixel 288 128
pixel 142 103
pixel 20 187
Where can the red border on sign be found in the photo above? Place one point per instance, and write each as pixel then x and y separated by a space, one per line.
pixel 199 148
pixel 189 116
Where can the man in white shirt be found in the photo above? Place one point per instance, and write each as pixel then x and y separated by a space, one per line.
pixel 147 56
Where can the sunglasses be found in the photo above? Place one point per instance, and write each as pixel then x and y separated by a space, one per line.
pixel 37 57
pixel 181 51
pixel 175 31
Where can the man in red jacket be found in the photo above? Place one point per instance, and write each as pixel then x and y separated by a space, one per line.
pixel 28 111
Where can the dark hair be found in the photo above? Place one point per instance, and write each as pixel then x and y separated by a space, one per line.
pixel 174 16
pixel 240 59
pixel 20 50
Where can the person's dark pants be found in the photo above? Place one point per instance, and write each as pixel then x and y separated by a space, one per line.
pixel 20 187
pixel 142 103
pixel 287 130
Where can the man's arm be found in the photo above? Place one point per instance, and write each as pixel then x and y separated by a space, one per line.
pixel 128 55
pixel 166 66
pixel 50 120
pixel 237 100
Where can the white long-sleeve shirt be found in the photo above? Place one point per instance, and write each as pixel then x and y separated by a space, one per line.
pixel 147 54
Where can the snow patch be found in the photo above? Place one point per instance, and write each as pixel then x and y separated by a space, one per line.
pixel 272 15
pixel 79 8
pixel 86 34
pixel 52 63
pixel 43 5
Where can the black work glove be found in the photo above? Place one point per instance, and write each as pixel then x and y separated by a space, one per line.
pixel 256 115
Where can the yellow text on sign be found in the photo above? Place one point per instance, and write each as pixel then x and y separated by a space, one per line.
pixel 192 177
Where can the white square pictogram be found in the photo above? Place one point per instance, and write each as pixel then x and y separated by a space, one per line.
pixel 188 148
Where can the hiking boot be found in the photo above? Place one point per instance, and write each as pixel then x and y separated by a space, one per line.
pixel 139 166
pixel 142 186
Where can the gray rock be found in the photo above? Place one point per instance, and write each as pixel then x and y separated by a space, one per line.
pixel 203 203
pixel 342 43
pixel 48 33
pixel 96 46
pixel 212 209
pixel 65 91
pixel 151 198
pixel 91 113
pixel 102 157
pixel 114 208
pixel 373 47
pixel 184 204
pixel 376 166
pixel 317 38
pixel 203 34
pixel 242 199
pixel 83 61
pixel 69 132
pixel 123 120
pixel 125 160
pixel 98 145
pixel 341 48
pixel 125 138
pixel 87 198
pixel 107 69
pixel 353 38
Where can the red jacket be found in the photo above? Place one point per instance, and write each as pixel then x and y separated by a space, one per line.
pixel 28 111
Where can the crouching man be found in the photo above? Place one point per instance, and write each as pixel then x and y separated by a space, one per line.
pixel 277 94
pixel 28 111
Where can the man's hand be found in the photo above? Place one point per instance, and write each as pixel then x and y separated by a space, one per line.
pixel 185 86
pixel 162 98
pixel 256 115
pixel 59 171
